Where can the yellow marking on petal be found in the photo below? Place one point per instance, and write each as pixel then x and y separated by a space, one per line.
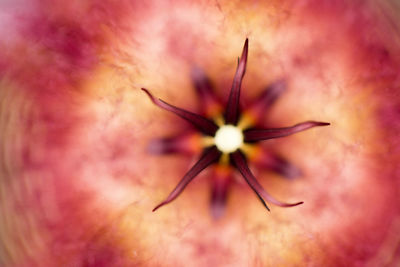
pixel 213 110
pixel 195 143
pixel 219 120
pixel 247 120
pixel 222 170
pixel 251 151
pixel 208 141
pixel 224 160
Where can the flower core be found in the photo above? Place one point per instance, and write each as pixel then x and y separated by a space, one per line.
pixel 228 138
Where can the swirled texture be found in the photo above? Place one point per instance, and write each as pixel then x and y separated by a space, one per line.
pixel 77 185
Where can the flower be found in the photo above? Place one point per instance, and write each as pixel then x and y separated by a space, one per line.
pixel 77 183
pixel 229 137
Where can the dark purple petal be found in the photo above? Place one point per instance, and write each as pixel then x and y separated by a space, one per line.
pixel 204 125
pixel 264 134
pixel 240 163
pixel 221 182
pixel 209 156
pixel 232 108
pixel 184 143
pixel 267 160
pixel 271 93
pixel 210 104
pixel 260 105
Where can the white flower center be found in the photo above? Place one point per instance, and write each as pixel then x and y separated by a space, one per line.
pixel 228 138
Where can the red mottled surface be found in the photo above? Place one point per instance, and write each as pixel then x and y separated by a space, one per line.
pixel 77 184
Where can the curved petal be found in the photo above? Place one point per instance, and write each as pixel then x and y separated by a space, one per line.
pixel 184 143
pixel 232 108
pixel 254 113
pixel 210 104
pixel 221 182
pixel 204 125
pixel 265 159
pixel 264 134
pixel 209 156
pixel 240 163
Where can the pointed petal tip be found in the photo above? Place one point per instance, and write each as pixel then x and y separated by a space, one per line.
pixel 268 209
pixel 310 124
pixel 149 94
pixel 322 123
pixel 242 60
pixel 232 108
pixel 203 124
pixel 298 203
pixel 209 156
pixel 159 206
pixel 245 50
pixel 265 134
pixel 289 205
pixel 263 202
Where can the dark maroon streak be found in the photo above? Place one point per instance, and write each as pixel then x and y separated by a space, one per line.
pixel 267 98
pixel 219 194
pixel 210 156
pixel 202 124
pixel 271 93
pixel 170 145
pixel 278 165
pixel 204 87
pixel 201 82
pixel 285 168
pixel 232 108
pixel 240 162
pixel 253 135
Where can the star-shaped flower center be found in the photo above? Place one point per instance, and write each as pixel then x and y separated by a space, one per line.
pixel 229 138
